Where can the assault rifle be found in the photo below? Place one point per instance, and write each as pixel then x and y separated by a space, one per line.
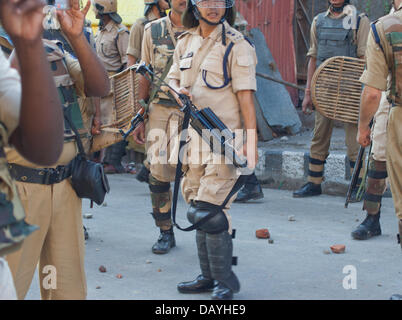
pixel 356 173
pixel 134 123
pixel 219 136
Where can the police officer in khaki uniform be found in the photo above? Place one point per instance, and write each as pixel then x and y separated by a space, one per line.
pixel 28 120
pixel 111 46
pixel 215 65
pixel 376 175
pixel 383 58
pixel 160 38
pixel 154 9
pixel 46 192
pixel 89 106
pixel 330 38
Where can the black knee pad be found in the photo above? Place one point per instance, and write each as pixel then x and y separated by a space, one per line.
pixel 200 209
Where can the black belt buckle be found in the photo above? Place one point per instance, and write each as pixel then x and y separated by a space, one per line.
pixel 47 173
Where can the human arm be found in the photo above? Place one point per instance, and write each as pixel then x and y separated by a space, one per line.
pixel 94 74
pixel 370 101
pixel 39 134
pixel 247 109
pixel 375 80
pixel 96 122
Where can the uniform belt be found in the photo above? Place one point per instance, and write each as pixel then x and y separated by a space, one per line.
pixel 46 176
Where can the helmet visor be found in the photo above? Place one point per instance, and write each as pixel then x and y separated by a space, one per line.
pixel 214 3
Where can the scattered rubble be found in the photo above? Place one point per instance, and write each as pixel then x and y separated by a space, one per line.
pixel 102 269
pixel 119 276
pixel 270 241
pixel 262 234
pixel 87 215
pixel 338 248
pixel 292 218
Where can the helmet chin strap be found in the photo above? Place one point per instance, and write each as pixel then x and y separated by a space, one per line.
pixel 198 16
pixel 161 12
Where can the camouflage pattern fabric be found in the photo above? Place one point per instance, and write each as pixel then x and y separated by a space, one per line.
pixel 13 228
pixel 376 186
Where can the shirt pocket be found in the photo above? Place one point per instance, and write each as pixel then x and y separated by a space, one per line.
pixel 109 50
pixel 186 71
pixel 212 73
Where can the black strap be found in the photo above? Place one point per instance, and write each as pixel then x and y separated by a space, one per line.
pixel 186 121
pixel 67 116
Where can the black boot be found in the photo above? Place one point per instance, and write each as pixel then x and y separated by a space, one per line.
pixel 143 174
pixel 308 190
pixel 249 192
pixel 370 227
pixel 220 250
pixel 165 242
pixel 222 292
pixel 199 285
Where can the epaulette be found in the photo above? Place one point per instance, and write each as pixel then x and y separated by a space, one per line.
pixel 142 20
pixel 185 33
pixel 234 35
pixel 152 22
pixel 122 28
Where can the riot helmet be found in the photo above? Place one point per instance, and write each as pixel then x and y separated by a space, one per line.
pixel 149 3
pixel 108 7
pixel 192 15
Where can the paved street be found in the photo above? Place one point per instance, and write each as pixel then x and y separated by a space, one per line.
pixel 296 266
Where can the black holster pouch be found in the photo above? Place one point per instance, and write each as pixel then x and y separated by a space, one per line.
pixel 87 177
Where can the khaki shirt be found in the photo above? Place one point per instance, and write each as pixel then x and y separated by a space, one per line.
pixel 194 54
pixel 10 98
pixel 111 45
pixel 360 39
pixel 70 149
pixel 379 63
pixel 158 57
pixel 136 35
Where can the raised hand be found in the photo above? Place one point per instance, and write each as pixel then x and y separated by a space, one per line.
pixel 22 19
pixel 72 20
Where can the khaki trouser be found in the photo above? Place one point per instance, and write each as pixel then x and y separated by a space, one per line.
pixel 394 157
pixel 379 133
pixel 162 140
pixel 58 243
pixel 321 142
pixel 204 178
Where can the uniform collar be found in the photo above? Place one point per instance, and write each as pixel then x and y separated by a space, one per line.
pixel 110 25
pixel 216 34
